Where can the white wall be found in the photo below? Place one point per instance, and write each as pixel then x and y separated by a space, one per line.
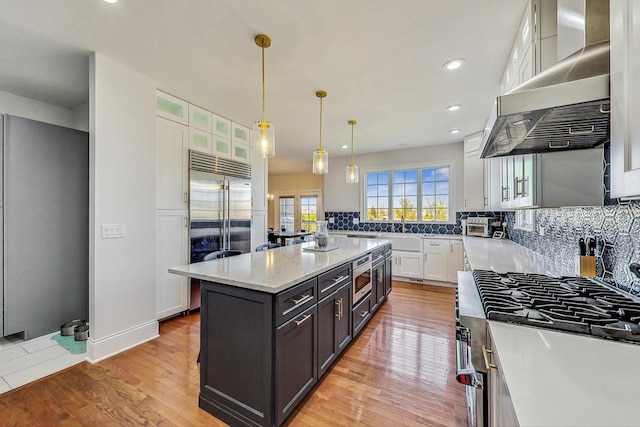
pixel 340 196
pixel 35 110
pixel 122 191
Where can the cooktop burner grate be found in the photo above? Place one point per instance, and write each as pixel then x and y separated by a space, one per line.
pixel 573 304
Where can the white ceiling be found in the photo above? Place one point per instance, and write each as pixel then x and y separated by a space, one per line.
pixel 379 60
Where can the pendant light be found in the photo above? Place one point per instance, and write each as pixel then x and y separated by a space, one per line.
pixel 320 156
pixel 352 169
pixel 264 138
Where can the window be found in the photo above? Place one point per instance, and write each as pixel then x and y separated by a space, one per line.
pixel 417 194
pixel 299 210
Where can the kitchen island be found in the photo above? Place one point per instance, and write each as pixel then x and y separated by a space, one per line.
pixel 273 322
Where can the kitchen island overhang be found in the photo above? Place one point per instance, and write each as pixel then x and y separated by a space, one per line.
pixel 274 322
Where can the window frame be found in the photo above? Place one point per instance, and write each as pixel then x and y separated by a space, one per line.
pixel 417 167
pixel 297 194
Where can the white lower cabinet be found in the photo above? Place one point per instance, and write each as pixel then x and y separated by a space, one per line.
pixel 456 260
pixel 436 254
pixel 259 220
pixel 172 291
pixel 407 264
pixel 501 410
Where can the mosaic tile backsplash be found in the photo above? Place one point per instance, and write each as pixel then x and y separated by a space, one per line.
pixel 616 229
pixel 343 221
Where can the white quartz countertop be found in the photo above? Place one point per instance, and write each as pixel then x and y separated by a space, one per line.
pixel 503 256
pixel 563 379
pixel 275 270
pixel 387 235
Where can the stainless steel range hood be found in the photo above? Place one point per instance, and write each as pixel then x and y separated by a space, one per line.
pixel 565 107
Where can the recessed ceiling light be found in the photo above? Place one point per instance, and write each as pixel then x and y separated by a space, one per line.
pixel 111 1
pixel 344 146
pixel 454 131
pixel 454 64
pixel 455 107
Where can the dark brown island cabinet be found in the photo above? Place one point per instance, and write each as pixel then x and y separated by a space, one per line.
pixel 262 353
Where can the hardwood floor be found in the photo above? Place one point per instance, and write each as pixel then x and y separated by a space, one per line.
pixel 400 371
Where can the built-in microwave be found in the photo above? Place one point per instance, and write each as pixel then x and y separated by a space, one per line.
pixel 361 278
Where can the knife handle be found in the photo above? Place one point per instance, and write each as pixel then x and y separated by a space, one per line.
pixel 581 245
pixel 592 246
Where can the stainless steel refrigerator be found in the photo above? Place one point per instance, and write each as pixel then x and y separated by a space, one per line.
pixel 45 226
pixel 219 209
pixel 219 205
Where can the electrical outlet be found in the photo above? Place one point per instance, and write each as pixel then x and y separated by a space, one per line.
pixel 332 220
pixel 541 231
pixel 356 221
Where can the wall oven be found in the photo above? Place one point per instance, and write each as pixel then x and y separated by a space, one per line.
pixel 361 278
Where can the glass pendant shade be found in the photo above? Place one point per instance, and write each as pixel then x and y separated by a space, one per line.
pixel 320 161
pixel 264 138
pixel 352 174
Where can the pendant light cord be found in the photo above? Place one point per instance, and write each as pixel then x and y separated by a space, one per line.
pixel 352 144
pixel 320 149
pixel 263 115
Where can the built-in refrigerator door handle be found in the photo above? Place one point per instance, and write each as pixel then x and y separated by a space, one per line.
pixel 228 205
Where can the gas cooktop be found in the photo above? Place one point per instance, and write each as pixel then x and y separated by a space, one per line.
pixel 573 304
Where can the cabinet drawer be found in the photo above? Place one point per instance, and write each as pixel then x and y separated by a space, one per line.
pixel 436 245
pixel 361 314
pixel 332 280
pixel 295 300
pixel 377 256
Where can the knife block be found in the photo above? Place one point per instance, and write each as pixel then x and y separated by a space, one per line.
pixel 586 266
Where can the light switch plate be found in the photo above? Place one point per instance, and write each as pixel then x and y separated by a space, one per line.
pixel 113 231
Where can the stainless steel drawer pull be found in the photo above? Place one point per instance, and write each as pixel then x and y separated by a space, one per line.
pixel 485 354
pixel 559 146
pixel 364 314
pixel 581 132
pixel 299 322
pixel 339 309
pixel 301 299
pixel 339 279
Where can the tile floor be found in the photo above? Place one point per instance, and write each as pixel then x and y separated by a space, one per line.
pixel 22 362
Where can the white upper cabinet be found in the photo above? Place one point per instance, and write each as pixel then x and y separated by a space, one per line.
pixel 221 146
pixel 172 108
pixel 475 197
pixel 171 165
pixel 240 134
pixel 240 152
pixel 200 141
pixel 221 126
pixel 625 98
pixel 199 118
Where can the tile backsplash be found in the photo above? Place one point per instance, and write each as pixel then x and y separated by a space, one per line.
pixel 616 229
pixel 344 221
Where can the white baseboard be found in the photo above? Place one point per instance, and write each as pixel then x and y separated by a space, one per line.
pixel 101 349
pixel 425 282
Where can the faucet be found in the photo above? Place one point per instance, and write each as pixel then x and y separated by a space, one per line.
pixel 402 228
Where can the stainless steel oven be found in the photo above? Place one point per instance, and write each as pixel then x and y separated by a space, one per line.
pixel 361 278
pixel 471 335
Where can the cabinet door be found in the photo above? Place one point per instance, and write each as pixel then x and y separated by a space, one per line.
pixel 221 146
pixel 378 286
pixel 240 152
pixel 200 141
pixel 501 410
pixel 388 274
pixel 296 361
pixel 220 126
pixel 172 108
pixel 506 182
pixel 456 260
pixel 259 219
pixel 436 254
pixel 409 264
pixel 343 320
pixel 328 313
pixel 474 194
pixel 199 118
pixel 625 98
pixel 172 291
pixel 171 165
pixel 240 134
